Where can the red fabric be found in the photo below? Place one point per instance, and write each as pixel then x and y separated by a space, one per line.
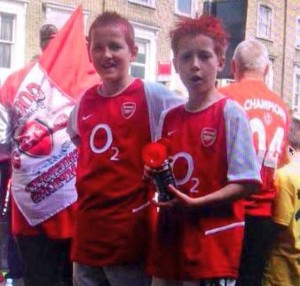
pixel 11 85
pixel 59 226
pixel 111 225
pixel 270 126
pixel 65 53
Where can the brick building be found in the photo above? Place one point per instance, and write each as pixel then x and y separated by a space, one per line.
pixel 276 23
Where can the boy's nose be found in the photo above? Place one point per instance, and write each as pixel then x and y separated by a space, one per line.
pixel 196 64
pixel 107 52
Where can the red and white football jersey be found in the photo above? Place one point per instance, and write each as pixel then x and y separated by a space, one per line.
pixel 268 117
pixel 210 149
pixel 113 212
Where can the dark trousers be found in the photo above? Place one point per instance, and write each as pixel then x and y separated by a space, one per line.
pixel 47 261
pixel 257 241
pixel 14 261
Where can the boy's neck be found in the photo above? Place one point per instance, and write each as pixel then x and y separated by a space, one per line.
pixel 199 102
pixel 111 88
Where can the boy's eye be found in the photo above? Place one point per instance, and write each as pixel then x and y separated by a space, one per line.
pixel 114 47
pixel 204 56
pixel 96 48
pixel 186 56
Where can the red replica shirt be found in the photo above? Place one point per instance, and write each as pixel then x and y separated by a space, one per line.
pixel 210 149
pixel 112 218
pixel 268 117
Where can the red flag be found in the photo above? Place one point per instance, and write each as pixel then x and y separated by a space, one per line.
pixel 35 104
pixel 66 60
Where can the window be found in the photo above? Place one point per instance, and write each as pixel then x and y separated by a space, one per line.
pixel 298 33
pixel 6 39
pixel 58 14
pixel 12 36
pixel 264 26
pixel 185 7
pixel 150 3
pixel 145 63
pixel 296 93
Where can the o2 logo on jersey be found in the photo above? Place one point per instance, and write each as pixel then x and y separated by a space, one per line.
pixel 208 136
pixel 185 159
pixel 128 109
pixel 101 140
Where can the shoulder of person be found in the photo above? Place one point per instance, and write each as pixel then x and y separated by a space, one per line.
pixel 158 92
pixel 155 87
pixel 234 107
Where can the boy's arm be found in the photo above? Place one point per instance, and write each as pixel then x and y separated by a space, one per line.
pixel 72 128
pixel 283 207
pixel 229 193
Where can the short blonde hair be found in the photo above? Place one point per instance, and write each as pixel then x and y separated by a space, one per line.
pixel 251 55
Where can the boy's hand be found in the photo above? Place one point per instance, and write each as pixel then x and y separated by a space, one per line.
pixel 183 199
pixel 148 174
pixel 168 204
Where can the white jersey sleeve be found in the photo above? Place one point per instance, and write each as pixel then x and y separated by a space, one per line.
pixel 159 99
pixel 72 128
pixel 242 160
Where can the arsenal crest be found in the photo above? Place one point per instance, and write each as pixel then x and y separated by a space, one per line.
pixel 208 136
pixel 128 109
pixel 35 139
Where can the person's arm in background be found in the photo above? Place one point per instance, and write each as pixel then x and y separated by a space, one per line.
pixel 283 207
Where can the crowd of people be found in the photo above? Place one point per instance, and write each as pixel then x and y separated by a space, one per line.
pixel 234 216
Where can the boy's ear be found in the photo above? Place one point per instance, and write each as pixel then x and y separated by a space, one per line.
pixel 134 53
pixel 88 44
pixel 175 64
pixel 221 64
pixel 233 67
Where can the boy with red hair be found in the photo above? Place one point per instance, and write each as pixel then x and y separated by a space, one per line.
pixel 111 124
pixel 213 164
